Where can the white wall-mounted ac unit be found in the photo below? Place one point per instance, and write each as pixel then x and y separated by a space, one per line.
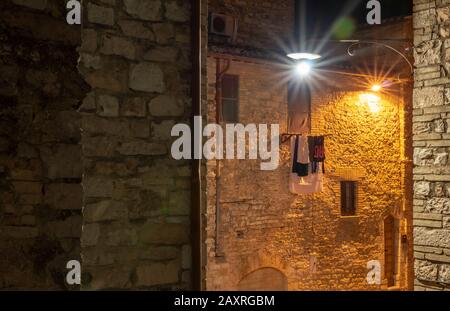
pixel 223 25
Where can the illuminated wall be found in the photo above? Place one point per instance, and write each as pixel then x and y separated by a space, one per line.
pixel 262 225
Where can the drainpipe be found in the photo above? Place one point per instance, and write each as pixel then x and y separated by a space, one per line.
pixel 196 228
pixel 219 76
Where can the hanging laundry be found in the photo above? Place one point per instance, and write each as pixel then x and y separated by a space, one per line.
pixel 317 153
pixel 301 181
pixel 303 150
pixel 301 169
pixel 306 185
pixel 308 156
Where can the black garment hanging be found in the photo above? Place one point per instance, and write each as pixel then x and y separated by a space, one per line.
pixel 317 153
pixel 300 169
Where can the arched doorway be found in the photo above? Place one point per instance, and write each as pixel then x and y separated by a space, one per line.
pixel 264 279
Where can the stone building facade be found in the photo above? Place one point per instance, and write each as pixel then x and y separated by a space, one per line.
pixel 431 145
pixel 305 237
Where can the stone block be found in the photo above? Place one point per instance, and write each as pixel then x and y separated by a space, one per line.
pixel 108 106
pixel 89 40
pixel 100 15
pixel 141 148
pixel 136 29
pixel 158 273
pixel 179 203
pixel 166 234
pixel 166 106
pixel 121 237
pixel 441 159
pixel 162 131
pixel 149 10
pixel 111 277
pixel 425 270
pixel 422 154
pixel 93 125
pixel 112 75
pixel 164 32
pixel 63 196
pixel 67 228
pixel 98 187
pixel 90 235
pixel 421 189
pixel 62 161
pixel 428 53
pixel 444 274
pixel 105 211
pixel 446 222
pixel 32 4
pixel 438 258
pixel 134 107
pixel 162 54
pixel 99 146
pixel 19 232
pixel 186 257
pixel 140 128
pixel 438 205
pixel 27 187
pixel 159 253
pixel 113 45
pixel 147 77
pixel 90 61
pixel 432 237
pixel 177 11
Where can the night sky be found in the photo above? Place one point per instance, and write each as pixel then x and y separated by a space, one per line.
pixel 326 12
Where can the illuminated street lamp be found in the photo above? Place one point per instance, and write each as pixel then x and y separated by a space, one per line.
pixel 303 64
pixel 303 56
pixel 303 68
pixel 376 88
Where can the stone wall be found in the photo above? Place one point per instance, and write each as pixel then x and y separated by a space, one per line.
pixel 262 225
pixel 135 55
pixel 261 24
pixel 40 155
pixel 431 145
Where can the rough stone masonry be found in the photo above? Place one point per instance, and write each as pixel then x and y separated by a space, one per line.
pixel 84 152
pixel 431 129
pixel 135 55
pixel 40 155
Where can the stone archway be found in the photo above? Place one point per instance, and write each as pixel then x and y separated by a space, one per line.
pixel 264 279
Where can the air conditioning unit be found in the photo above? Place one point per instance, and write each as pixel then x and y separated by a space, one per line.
pixel 223 25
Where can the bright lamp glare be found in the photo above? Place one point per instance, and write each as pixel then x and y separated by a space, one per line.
pixel 372 101
pixel 308 56
pixel 376 87
pixel 374 107
pixel 303 68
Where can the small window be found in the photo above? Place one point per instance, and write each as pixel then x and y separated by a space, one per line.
pixel 348 198
pixel 230 99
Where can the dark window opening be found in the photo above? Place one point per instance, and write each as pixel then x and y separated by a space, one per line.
pixel 230 98
pixel 348 198
pixel 391 235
